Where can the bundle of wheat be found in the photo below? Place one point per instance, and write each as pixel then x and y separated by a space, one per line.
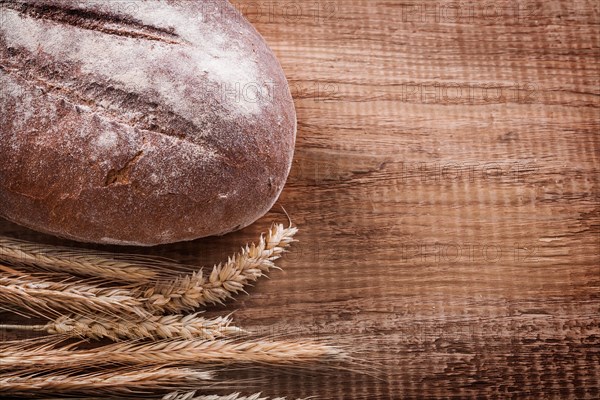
pixel 125 299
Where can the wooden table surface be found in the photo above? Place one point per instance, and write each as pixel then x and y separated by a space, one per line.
pixel 445 185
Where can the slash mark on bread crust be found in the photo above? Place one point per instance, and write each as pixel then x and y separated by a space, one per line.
pixel 121 176
pixel 95 21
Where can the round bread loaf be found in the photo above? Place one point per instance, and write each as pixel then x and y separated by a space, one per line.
pixel 139 123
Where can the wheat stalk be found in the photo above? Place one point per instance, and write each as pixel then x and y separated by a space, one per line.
pixel 115 381
pixel 40 296
pixel 170 352
pixel 233 396
pixel 154 327
pixel 193 290
pixel 132 269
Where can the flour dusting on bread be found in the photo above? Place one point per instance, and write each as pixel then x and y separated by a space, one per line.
pixel 139 125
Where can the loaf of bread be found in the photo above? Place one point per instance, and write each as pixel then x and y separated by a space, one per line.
pixel 139 123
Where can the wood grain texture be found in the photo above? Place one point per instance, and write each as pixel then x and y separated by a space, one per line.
pixel 445 185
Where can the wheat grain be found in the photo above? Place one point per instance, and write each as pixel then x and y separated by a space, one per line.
pixel 233 396
pixel 193 290
pixel 154 327
pixel 171 352
pixel 181 294
pixel 114 381
pixel 46 297
pixel 124 268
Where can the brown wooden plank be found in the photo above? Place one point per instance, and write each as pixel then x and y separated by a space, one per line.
pixel 450 237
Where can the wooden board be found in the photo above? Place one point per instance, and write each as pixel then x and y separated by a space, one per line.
pixel 445 185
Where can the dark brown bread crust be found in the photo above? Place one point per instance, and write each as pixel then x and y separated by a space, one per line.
pixel 139 125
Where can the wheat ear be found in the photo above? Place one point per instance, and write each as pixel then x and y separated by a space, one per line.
pixel 233 396
pixel 171 352
pixel 154 327
pixel 42 297
pixel 115 381
pixel 191 291
pixel 131 269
